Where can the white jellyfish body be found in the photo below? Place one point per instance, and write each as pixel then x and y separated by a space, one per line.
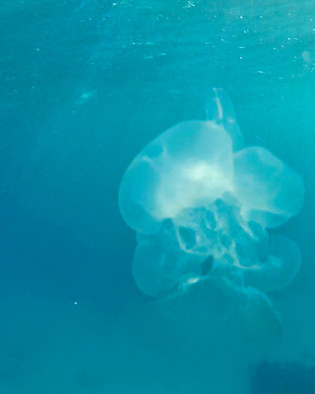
pixel 186 166
pixel 201 204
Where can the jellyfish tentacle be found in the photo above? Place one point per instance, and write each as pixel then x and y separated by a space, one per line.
pixel 219 109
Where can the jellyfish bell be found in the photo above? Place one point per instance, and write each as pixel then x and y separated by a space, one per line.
pixel 185 167
pixel 201 204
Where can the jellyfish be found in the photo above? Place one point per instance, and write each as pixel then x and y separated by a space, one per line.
pixel 202 204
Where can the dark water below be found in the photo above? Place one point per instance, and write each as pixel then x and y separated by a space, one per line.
pixel 84 85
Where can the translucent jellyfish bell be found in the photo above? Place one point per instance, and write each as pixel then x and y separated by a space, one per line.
pixel 201 204
pixel 187 166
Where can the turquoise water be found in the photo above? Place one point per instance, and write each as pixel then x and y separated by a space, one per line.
pixel 84 86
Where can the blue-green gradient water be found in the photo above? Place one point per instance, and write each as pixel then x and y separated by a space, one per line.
pixel 84 85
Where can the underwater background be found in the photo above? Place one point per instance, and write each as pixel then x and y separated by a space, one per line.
pixel 84 85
